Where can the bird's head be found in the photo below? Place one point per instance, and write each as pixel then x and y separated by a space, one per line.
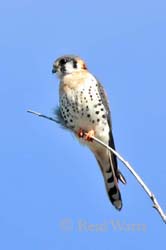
pixel 67 65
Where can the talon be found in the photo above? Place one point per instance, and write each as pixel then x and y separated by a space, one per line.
pixel 80 133
pixel 88 136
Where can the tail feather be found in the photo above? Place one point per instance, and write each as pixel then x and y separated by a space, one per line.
pixel 113 190
pixel 110 179
pixel 111 182
pixel 109 167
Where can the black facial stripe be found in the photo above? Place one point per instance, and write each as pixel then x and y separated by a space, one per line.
pixel 74 64
pixel 62 63
pixel 63 68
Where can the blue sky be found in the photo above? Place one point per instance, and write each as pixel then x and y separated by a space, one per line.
pixel 49 184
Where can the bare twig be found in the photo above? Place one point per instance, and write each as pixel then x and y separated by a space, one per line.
pixel 41 115
pixel 130 168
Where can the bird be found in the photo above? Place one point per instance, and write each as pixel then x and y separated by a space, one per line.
pixel 84 110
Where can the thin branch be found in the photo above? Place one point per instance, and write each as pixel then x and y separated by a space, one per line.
pixel 129 167
pixel 41 115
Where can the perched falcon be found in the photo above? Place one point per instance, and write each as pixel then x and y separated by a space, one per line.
pixel 85 111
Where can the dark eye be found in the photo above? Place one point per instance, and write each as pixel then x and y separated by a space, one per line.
pixel 62 61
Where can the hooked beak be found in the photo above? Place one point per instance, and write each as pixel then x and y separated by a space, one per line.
pixel 54 70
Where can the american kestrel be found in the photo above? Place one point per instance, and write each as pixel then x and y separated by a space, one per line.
pixel 85 111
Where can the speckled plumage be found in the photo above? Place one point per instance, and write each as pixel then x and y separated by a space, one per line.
pixel 84 105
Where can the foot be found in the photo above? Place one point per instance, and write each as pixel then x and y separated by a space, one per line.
pixel 81 133
pixel 88 136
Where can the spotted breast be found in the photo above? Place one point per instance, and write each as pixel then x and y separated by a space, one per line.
pixel 81 104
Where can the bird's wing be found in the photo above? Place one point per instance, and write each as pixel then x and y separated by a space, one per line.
pixel 108 113
pixel 104 98
pixel 108 161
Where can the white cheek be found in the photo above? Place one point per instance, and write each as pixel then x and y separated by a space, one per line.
pixel 69 67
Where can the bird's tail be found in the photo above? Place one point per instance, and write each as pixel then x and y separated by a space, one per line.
pixel 111 175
